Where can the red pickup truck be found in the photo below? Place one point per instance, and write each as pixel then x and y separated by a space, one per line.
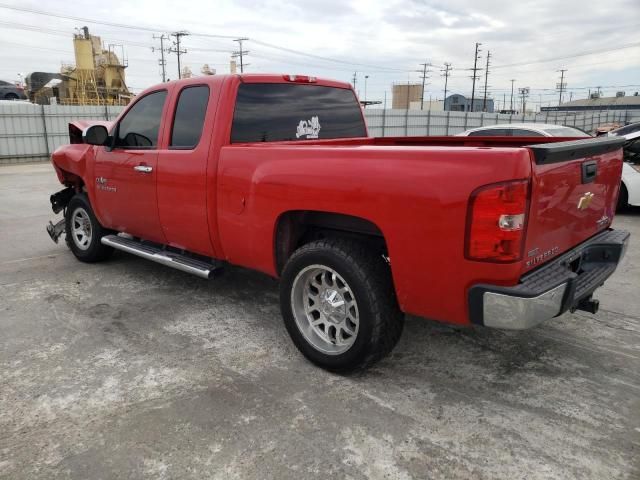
pixel 277 173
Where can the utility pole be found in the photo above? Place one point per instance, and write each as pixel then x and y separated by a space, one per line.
pixel 512 82
pixel 486 77
pixel 445 73
pixel 524 93
pixel 355 79
pixel 176 48
pixel 561 86
pixel 424 71
pixel 162 62
pixel 241 53
pixel 475 75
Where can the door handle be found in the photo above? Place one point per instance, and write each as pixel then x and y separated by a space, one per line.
pixel 143 168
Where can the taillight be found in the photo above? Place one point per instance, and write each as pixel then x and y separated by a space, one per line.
pixel 496 222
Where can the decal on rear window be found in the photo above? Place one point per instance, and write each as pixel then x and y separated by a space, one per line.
pixel 310 128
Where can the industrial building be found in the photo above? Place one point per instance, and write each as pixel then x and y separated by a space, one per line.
pixel 620 102
pixel 404 94
pixel 97 78
pixel 460 103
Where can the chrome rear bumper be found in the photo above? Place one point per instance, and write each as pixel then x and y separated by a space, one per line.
pixel 566 283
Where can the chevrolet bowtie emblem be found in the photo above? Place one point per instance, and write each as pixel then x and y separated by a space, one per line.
pixel 585 201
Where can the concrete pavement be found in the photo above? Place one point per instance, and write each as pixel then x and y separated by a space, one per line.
pixel 128 369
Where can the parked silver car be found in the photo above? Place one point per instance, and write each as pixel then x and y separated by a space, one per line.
pixel 524 130
pixel 10 91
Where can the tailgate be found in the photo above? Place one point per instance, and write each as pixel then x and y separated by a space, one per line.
pixel 574 192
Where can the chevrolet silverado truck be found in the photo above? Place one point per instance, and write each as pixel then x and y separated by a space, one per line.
pixel 277 173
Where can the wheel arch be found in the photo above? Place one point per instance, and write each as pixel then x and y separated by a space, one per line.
pixel 295 228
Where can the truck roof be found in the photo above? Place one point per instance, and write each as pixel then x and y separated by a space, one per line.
pixel 255 78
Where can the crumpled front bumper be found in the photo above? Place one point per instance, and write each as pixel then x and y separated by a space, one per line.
pixel 565 283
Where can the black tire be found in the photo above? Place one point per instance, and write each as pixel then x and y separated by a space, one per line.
pixel 93 250
pixel 369 278
pixel 11 96
pixel 623 198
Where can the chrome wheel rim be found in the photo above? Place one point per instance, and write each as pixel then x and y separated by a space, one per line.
pixel 81 230
pixel 325 309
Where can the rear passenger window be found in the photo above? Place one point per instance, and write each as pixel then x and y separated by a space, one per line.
pixel 189 117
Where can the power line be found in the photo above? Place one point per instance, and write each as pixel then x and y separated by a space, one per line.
pixel 329 59
pixel 573 55
pixel 99 22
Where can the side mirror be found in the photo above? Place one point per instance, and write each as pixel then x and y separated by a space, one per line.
pixel 95 135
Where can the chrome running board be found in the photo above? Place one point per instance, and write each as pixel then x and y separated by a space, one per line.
pixel 171 259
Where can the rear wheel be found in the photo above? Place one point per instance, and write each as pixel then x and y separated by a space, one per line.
pixel 11 96
pixel 83 231
pixel 338 304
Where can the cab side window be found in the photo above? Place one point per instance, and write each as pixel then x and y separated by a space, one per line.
pixel 140 126
pixel 189 117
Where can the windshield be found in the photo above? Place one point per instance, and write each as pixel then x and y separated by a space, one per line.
pixel 634 127
pixel 565 132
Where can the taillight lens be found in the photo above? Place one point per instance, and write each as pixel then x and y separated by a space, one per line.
pixel 496 222
pixel 300 78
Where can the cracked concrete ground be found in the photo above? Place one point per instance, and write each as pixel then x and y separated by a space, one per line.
pixel 128 369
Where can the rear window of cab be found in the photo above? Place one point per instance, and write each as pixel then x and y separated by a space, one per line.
pixel 272 112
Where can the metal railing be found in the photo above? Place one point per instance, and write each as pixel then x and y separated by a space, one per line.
pixel 394 122
pixel 29 133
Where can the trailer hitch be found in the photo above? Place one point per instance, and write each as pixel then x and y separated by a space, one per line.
pixel 588 304
pixel 56 230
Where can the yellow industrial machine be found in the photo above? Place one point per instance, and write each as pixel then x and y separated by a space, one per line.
pixel 97 78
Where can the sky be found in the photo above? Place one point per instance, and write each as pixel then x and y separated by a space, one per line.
pixel 597 43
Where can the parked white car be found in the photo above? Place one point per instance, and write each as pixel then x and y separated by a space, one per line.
pixel 630 188
pixel 524 130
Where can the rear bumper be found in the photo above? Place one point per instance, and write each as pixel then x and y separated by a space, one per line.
pixel 566 283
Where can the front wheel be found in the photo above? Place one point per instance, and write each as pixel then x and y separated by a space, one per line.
pixel 338 304
pixel 83 231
